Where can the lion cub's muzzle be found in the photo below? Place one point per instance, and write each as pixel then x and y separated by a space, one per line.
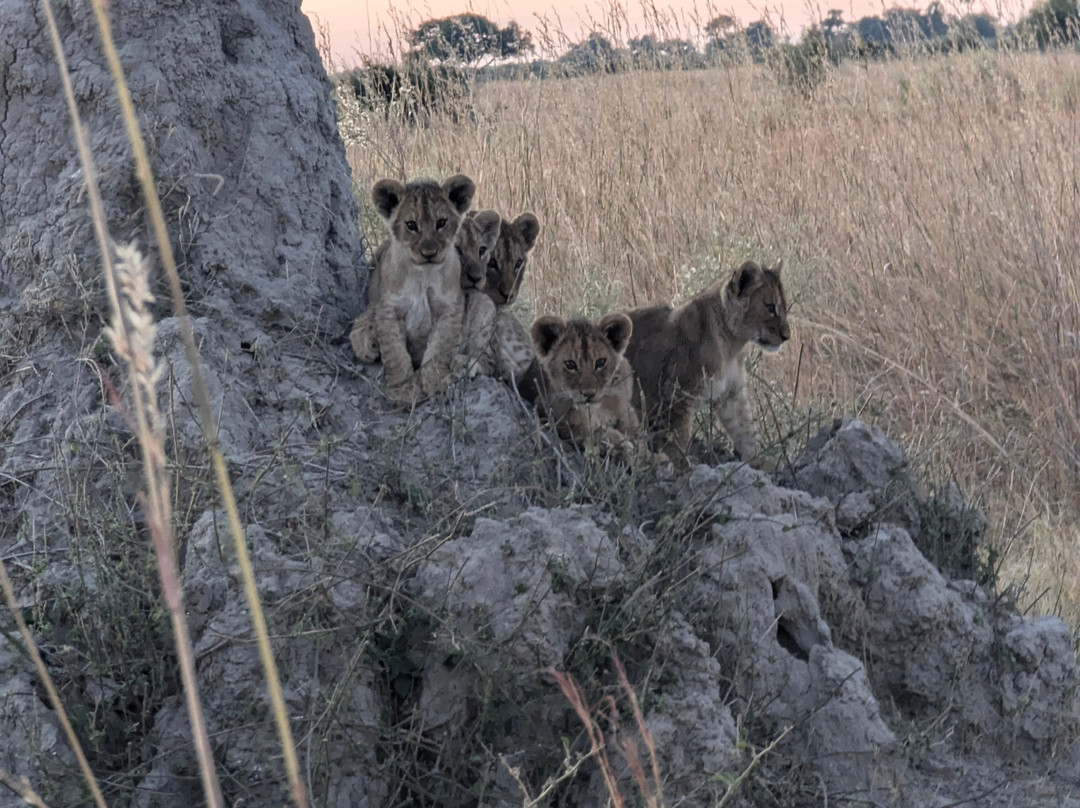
pixel 771 341
pixel 428 255
pixel 471 280
pixel 581 398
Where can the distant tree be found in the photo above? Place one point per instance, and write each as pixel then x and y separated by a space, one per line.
pixel 759 35
pixel 1051 22
pixel 719 28
pixel 649 53
pixel 644 51
pixel 937 26
pixel 595 54
pixel 803 66
pixel 415 89
pixel 467 38
pixel 984 25
pixel 906 26
pixel 513 41
pixel 838 35
pixel 973 31
pixel 719 35
pixel 874 39
pixel 682 53
pixel 833 26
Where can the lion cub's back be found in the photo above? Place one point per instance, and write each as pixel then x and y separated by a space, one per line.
pixel 651 347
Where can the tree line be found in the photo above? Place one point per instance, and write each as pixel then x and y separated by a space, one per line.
pixel 446 54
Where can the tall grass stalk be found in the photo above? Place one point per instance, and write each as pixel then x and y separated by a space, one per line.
pixel 21 786
pixel 132 338
pixel 648 783
pixel 131 335
pixel 50 688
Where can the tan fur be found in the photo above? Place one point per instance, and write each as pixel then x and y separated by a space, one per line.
pixel 584 385
pixel 509 350
pixel 362 337
pixel 511 347
pixel 506 267
pixel 684 356
pixel 474 244
pixel 415 291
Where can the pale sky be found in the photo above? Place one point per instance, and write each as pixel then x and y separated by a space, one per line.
pixel 356 27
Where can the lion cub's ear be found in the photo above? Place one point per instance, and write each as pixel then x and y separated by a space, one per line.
pixel 777 267
pixel 528 227
pixel 617 329
pixel 745 278
pixel 489 222
pixel 386 195
pixel 546 331
pixel 459 189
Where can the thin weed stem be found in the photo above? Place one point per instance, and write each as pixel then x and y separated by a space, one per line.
pixel 50 688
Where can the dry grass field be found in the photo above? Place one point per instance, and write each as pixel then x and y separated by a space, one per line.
pixel 926 214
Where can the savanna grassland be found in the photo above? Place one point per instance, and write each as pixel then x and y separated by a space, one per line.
pixel 926 214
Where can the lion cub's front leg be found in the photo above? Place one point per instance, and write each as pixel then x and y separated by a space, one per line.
pixel 511 347
pixel 738 422
pixel 401 380
pixel 479 327
pixel 362 337
pixel 727 394
pixel 441 345
pixel 674 436
pixel 628 426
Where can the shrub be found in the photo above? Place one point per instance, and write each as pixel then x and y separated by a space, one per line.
pixel 415 89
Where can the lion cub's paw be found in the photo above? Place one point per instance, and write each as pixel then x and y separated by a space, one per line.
pixel 432 380
pixel 362 337
pixel 656 458
pixel 461 366
pixel 405 394
pixel 764 462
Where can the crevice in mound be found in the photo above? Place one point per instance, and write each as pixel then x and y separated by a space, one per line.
pixel 787 641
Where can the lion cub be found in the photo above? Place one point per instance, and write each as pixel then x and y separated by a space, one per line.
pixel 582 384
pixel 474 243
pixel 506 267
pixel 415 290
pixel 477 244
pixel 509 351
pixel 694 353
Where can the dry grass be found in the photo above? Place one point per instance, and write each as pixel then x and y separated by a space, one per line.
pixel 925 211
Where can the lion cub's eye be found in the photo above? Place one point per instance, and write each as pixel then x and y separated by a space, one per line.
pixel 439 225
pixel 570 364
pixel 483 250
pixel 601 362
pixel 771 308
pixel 411 226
